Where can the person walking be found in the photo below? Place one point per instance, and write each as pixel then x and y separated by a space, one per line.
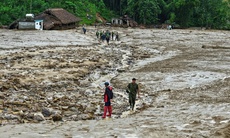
pixel 107 36
pixel 132 90
pixel 103 37
pixel 112 36
pixel 84 29
pixel 97 34
pixel 100 36
pixel 117 37
pixel 108 96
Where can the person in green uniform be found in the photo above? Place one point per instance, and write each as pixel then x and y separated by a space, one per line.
pixel 133 89
pixel 97 34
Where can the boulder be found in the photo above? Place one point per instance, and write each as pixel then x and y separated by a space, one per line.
pixel 11 117
pixel 46 112
pixel 57 117
pixel 90 109
pixel 88 92
pixel 39 117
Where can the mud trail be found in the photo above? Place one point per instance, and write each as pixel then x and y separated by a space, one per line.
pixel 51 83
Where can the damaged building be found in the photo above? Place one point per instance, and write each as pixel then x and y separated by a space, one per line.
pixel 50 19
pixel 124 21
pixel 58 19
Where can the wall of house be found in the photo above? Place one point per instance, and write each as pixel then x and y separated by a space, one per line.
pixel 64 26
pixel 39 24
pixel 117 21
pixel 26 25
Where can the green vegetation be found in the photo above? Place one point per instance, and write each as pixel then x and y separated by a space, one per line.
pixel 11 10
pixel 186 13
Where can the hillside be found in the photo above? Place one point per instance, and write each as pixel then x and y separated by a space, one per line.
pixel 210 13
pixel 85 9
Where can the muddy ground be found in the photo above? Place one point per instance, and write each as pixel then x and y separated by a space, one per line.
pixel 52 83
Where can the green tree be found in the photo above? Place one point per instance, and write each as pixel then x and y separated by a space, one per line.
pixel 148 11
pixel 212 14
pixel 207 13
pixel 143 11
pixel 182 11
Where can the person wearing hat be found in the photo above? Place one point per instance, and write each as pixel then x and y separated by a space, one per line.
pixel 108 96
pixel 133 89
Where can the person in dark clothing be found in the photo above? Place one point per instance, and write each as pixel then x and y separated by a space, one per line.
pixel 117 37
pixel 103 36
pixel 112 36
pixel 100 36
pixel 108 96
pixel 97 34
pixel 133 89
pixel 84 30
pixel 107 36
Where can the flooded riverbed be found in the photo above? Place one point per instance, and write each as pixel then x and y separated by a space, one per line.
pixel 52 83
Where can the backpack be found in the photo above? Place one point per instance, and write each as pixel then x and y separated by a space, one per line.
pixel 111 91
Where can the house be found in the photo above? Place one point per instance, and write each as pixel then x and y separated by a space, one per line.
pixel 29 23
pixel 39 24
pixel 117 21
pixel 50 19
pixel 58 19
pixel 125 20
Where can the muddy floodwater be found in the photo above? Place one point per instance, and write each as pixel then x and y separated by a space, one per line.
pixel 51 83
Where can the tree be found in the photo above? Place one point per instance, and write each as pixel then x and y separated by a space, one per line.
pixel 148 11
pixel 143 11
pixel 207 13
pixel 212 13
pixel 182 11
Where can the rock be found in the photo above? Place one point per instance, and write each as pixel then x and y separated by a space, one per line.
pixel 54 111
pixel 91 116
pixel 90 109
pixel 3 122
pixel 46 112
pixel 145 56
pixel 74 117
pixel 11 117
pixel 65 107
pixel 160 106
pixel 121 70
pixel 195 122
pixel 69 113
pixel 29 116
pixel 116 112
pixel 39 117
pixel 57 117
pixel 50 99
pixel 85 83
pixel 85 116
pixel 88 92
pixel 73 109
pixel 21 113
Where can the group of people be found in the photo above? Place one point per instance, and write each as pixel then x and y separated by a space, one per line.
pixel 107 35
pixel 132 89
pixel 104 35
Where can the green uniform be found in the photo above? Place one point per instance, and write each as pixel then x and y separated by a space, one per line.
pixel 132 88
pixel 97 34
